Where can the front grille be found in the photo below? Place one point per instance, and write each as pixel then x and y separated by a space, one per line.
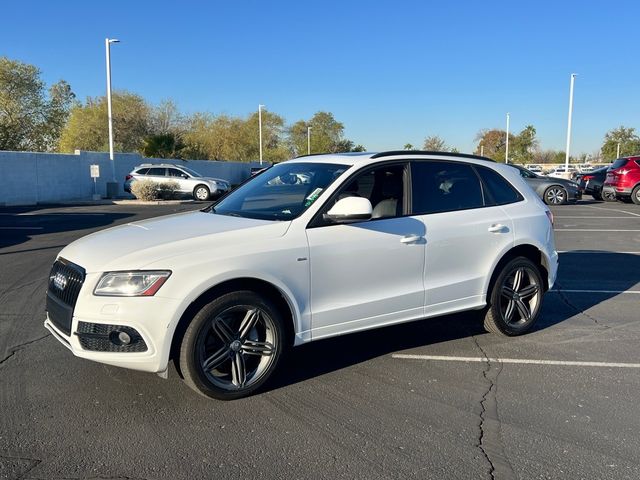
pixel 65 282
pixel 73 276
pixel 104 338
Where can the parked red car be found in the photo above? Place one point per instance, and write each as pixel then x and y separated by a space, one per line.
pixel 623 179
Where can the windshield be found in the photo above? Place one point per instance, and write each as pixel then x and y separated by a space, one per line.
pixel 282 192
pixel 193 173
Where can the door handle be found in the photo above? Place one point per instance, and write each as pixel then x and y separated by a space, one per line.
pixel 498 228
pixel 410 239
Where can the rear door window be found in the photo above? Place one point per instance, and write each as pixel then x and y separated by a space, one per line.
pixel 156 172
pixel 444 187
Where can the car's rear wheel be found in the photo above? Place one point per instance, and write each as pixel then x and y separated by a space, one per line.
pixel 232 346
pixel 596 195
pixel 608 196
pixel 635 195
pixel 555 195
pixel 201 192
pixel 515 298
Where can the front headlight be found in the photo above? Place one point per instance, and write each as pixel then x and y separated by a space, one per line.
pixel 131 284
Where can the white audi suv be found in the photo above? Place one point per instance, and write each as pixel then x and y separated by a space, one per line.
pixel 365 240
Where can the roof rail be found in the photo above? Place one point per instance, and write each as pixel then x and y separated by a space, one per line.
pixel 425 152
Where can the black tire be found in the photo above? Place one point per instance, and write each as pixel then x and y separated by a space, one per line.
pixel 596 196
pixel 508 303
pixel 555 195
pixel 608 196
pixel 240 362
pixel 635 195
pixel 201 192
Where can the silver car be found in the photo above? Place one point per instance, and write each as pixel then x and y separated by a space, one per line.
pixel 189 181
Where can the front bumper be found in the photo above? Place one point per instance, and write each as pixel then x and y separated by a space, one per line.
pixel 147 320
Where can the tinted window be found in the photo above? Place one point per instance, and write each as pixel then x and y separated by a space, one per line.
pixel 621 162
pixel 444 186
pixel 174 172
pixel 142 171
pixel 498 188
pixel 159 172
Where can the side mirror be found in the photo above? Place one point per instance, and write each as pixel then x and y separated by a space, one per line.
pixel 350 209
pixel 184 175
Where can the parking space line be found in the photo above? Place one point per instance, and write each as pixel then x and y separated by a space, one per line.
pixel 612 210
pixel 583 216
pixel 562 290
pixel 525 361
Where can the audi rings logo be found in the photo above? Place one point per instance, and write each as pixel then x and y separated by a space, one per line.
pixel 60 281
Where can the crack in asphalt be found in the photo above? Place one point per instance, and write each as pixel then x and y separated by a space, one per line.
pixel 33 463
pixel 580 311
pixel 21 346
pixel 490 437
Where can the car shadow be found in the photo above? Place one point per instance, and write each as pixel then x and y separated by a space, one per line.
pixel 617 272
pixel 21 224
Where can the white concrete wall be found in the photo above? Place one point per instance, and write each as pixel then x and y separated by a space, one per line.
pixel 27 178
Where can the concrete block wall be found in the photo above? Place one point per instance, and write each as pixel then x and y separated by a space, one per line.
pixel 28 178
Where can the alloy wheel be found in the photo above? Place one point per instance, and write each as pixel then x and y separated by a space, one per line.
pixel 202 193
pixel 520 296
pixel 555 195
pixel 237 347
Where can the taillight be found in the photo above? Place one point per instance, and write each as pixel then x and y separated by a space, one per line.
pixel 623 171
pixel 549 216
pixel 586 178
pixel 128 177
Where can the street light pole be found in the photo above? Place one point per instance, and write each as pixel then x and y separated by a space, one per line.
pixel 481 150
pixel 618 151
pixel 111 189
pixel 566 161
pixel 260 129
pixel 506 155
pixel 308 140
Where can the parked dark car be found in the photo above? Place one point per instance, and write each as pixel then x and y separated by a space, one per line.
pixel 591 183
pixel 552 190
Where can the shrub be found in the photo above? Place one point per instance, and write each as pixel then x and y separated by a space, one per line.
pixel 149 190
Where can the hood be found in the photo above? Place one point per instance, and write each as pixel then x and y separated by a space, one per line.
pixel 213 179
pixel 134 245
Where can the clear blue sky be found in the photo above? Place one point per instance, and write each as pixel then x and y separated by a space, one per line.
pixel 392 72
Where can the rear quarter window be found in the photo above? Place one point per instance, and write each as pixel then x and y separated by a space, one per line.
pixel 497 188
pixel 142 171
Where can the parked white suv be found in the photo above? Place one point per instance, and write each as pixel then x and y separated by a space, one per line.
pixel 366 240
pixel 189 181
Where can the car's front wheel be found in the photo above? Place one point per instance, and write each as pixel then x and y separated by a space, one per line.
pixel 555 196
pixel 201 192
pixel 232 346
pixel 515 298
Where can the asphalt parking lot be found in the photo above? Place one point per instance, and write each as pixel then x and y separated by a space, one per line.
pixel 433 399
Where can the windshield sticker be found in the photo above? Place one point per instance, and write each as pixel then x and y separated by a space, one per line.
pixel 312 198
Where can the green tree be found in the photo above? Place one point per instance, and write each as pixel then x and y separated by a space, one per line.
pixel 326 135
pixel 87 128
pixel 524 146
pixel 626 137
pixel 29 118
pixel 408 146
pixel 162 145
pixel 434 143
